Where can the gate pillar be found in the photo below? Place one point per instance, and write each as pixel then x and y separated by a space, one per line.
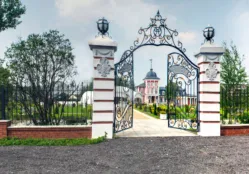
pixel 209 88
pixel 103 49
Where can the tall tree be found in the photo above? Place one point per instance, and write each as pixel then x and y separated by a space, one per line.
pixel 10 13
pixel 232 70
pixel 4 76
pixel 233 78
pixel 39 64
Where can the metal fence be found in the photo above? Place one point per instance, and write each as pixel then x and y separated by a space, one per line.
pixel 234 103
pixel 64 105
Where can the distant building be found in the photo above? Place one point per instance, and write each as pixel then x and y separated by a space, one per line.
pixel 149 92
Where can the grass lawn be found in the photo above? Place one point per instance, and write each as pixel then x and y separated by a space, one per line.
pixel 148 113
pixel 50 142
pixel 69 111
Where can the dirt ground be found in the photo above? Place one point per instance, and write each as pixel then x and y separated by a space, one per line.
pixel 133 155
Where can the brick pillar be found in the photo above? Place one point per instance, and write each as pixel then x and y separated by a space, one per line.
pixel 4 124
pixel 103 49
pixel 209 89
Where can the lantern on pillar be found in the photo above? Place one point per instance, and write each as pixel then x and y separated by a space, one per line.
pixel 103 26
pixel 209 33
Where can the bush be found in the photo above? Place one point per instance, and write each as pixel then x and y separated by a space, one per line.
pixel 145 109
pixel 155 109
pixel 151 109
pixel 140 106
pixel 162 112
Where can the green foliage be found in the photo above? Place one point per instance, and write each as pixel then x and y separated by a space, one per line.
pixel 140 106
pixel 4 76
pixel 43 61
pixel 50 142
pixel 163 112
pixel 232 71
pixel 171 90
pixel 10 12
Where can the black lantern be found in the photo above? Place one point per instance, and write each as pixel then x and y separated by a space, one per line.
pixel 103 26
pixel 209 33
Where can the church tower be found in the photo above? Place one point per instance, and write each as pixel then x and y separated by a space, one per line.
pixel 151 82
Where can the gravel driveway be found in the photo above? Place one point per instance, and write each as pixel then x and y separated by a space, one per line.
pixel 133 155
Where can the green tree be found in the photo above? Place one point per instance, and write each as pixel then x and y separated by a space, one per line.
pixel 232 71
pixel 10 12
pixel 37 65
pixel 233 78
pixel 4 76
pixel 171 91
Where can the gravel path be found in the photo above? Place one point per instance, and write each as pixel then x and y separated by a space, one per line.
pixel 133 155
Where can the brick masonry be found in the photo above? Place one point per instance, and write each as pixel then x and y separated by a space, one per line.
pixel 44 132
pixel 232 130
pixel 4 124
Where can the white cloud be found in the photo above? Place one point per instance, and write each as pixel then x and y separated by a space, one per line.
pixel 188 37
pixel 126 18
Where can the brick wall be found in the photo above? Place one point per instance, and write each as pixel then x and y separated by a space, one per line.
pixel 50 132
pixel 232 130
pixel 4 124
pixel 43 132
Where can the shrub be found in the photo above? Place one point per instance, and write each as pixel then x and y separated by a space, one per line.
pixel 140 106
pixel 162 112
pixel 145 109
pixel 151 109
pixel 155 110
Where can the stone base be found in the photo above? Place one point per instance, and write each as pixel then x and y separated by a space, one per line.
pixel 99 130
pixel 209 129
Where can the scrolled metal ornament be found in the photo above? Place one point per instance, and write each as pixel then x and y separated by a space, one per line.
pixel 157 33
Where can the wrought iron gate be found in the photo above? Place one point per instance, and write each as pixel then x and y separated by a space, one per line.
pixel 182 92
pixel 124 87
pixel 182 75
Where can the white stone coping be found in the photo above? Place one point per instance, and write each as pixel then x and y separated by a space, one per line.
pixel 4 121
pixel 103 41
pixel 208 48
pixel 234 125
pixel 55 126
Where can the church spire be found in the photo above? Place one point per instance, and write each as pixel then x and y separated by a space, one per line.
pixel 151 64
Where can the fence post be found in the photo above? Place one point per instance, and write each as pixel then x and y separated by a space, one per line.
pixel 103 48
pixel 209 88
pixel 3 103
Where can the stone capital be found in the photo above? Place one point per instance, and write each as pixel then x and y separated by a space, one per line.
pixel 211 51
pixel 103 42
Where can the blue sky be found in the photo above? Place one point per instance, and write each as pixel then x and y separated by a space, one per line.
pixel 77 20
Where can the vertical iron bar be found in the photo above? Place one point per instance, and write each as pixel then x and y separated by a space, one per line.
pixel 115 97
pixel 3 102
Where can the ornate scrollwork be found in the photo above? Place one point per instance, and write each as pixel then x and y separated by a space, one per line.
pixel 181 70
pixel 157 33
pixel 124 93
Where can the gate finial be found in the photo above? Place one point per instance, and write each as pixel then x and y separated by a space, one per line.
pixel 158 13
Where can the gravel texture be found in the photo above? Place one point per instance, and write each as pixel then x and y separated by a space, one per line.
pixel 133 155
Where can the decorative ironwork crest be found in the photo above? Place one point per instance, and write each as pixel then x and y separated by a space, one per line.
pixel 157 33
pixel 211 71
pixel 104 68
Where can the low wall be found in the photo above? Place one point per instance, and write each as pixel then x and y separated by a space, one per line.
pixel 6 130
pixel 234 129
